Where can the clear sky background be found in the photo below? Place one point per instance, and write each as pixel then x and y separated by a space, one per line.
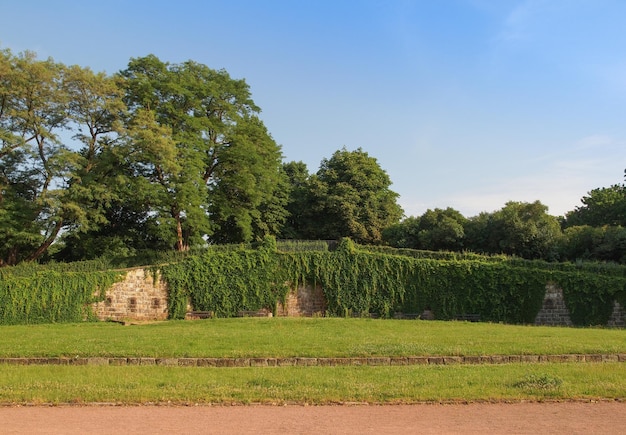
pixel 465 103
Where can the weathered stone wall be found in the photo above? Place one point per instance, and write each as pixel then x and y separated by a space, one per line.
pixel 138 297
pixel 553 312
pixel 304 301
pixel 618 317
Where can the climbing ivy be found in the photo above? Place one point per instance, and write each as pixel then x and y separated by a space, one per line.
pixel 360 281
pixel 226 282
pixel 48 295
pixel 356 280
pixel 590 297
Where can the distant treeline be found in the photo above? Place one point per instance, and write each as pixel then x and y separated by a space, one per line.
pixel 594 231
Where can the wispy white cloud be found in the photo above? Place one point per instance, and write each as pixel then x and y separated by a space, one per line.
pixel 596 141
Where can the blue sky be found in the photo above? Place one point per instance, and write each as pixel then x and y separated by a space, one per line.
pixel 465 103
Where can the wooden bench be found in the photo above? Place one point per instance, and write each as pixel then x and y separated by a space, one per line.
pixel 468 317
pixel 406 316
pixel 253 313
pixel 195 315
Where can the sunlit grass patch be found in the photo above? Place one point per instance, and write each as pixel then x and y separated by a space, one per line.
pixel 311 385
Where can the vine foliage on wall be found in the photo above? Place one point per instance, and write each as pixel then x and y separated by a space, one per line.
pixel 50 295
pixel 360 281
pixel 226 282
pixel 356 280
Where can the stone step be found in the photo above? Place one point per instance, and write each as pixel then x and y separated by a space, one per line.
pixel 312 361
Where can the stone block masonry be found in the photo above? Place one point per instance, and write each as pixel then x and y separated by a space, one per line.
pixel 141 296
pixel 304 301
pixel 319 362
pixel 618 316
pixel 553 312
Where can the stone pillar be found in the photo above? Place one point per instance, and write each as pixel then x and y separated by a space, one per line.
pixel 618 317
pixel 553 312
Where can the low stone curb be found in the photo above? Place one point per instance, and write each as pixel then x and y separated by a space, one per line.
pixel 320 362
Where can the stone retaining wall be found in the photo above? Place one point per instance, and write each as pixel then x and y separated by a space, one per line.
pixel 553 312
pixel 141 296
pixel 304 301
pixel 618 316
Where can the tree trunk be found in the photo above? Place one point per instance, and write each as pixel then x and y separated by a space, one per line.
pixel 180 241
pixel 46 244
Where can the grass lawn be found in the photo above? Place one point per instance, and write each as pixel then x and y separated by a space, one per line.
pixel 303 337
pixel 292 337
pixel 311 385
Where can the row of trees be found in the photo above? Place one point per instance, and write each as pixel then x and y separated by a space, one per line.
pixel 165 156
pixel 160 156
pixel 594 231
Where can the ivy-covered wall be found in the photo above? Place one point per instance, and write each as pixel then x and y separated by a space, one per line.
pixel 359 281
pixel 355 281
pixel 49 295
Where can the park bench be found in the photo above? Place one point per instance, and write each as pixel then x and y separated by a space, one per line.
pixel 468 317
pixel 194 315
pixel 254 313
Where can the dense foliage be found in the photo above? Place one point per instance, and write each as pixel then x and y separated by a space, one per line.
pixel 594 231
pixel 360 281
pixel 60 293
pixel 155 157
pixel 349 196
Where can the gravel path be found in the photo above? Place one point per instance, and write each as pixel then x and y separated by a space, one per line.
pixel 520 418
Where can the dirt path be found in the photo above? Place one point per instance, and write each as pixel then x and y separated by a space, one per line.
pixel 522 418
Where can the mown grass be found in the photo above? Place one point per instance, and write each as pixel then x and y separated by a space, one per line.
pixel 310 385
pixel 302 337
pixel 331 337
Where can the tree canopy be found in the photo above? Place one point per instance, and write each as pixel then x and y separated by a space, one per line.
pixel 157 155
pixel 47 186
pixel 169 156
pixel 601 206
pixel 161 156
pixel 349 196
pixel 435 230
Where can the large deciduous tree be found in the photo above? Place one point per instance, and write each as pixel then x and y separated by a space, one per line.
pixel 435 230
pixel 157 155
pixel 221 166
pixel 45 185
pixel 602 206
pixel 301 218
